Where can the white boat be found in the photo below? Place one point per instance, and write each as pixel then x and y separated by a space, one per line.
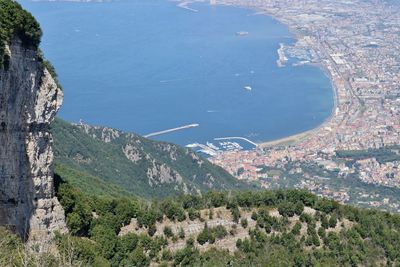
pixel 242 33
pixel 248 88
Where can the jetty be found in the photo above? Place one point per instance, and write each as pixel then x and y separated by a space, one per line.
pixel 172 130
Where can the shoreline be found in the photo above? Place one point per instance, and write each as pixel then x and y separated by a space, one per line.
pixel 298 137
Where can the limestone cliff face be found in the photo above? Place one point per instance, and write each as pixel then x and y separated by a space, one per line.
pixel 29 100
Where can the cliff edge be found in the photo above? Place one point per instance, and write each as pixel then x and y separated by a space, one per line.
pixel 29 101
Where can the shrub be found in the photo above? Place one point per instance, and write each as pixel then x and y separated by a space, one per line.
pixel 296 228
pixel 168 232
pixel 235 214
pixel 220 231
pixel 193 214
pixel 203 237
pixel 322 232
pixel 244 222
pixel 152 230
pixel 298 208
pixel 181 233
pixel 333 221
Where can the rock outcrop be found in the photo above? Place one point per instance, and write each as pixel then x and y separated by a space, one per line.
pixel 29 101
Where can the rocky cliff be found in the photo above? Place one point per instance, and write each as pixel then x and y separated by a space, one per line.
pixel 29 100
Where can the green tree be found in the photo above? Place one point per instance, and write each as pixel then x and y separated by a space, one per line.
pixel 106 240
pixel 286 209
pixel 126 210
pixel 326 205
pixel 127 243
pixel 137 258
pixel 75 223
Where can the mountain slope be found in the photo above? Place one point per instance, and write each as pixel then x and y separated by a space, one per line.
pixel 144 167
pixel 263 228
pixel 88 183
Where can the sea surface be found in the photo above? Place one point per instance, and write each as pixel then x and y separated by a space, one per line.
pixel 146 66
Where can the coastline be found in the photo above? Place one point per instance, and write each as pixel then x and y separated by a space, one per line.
pixel 298 137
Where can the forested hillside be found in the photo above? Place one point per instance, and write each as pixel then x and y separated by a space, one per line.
pixel 124 160
pixel 274 228
pixel 265 228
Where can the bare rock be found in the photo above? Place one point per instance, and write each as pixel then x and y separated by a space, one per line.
pixel 29 100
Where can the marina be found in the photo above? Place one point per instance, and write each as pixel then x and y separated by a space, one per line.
pixel 211 149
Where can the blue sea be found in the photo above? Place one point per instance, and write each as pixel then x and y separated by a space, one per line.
pixel 146 66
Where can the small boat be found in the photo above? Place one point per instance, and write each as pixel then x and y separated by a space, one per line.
pixel 248 88
pixel 242 33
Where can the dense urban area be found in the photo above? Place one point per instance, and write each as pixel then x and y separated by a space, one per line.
pixel 354 156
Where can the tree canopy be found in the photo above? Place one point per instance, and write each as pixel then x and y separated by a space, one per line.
pixel 15 21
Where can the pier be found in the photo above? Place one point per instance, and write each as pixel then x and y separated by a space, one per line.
pixel 172 130
pixel 238 138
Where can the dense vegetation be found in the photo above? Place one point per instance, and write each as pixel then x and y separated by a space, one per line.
pixel 15 21
pixel 173 169
pixel 371 237
pixel 88 183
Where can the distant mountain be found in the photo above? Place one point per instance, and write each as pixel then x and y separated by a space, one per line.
pixel 95 157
